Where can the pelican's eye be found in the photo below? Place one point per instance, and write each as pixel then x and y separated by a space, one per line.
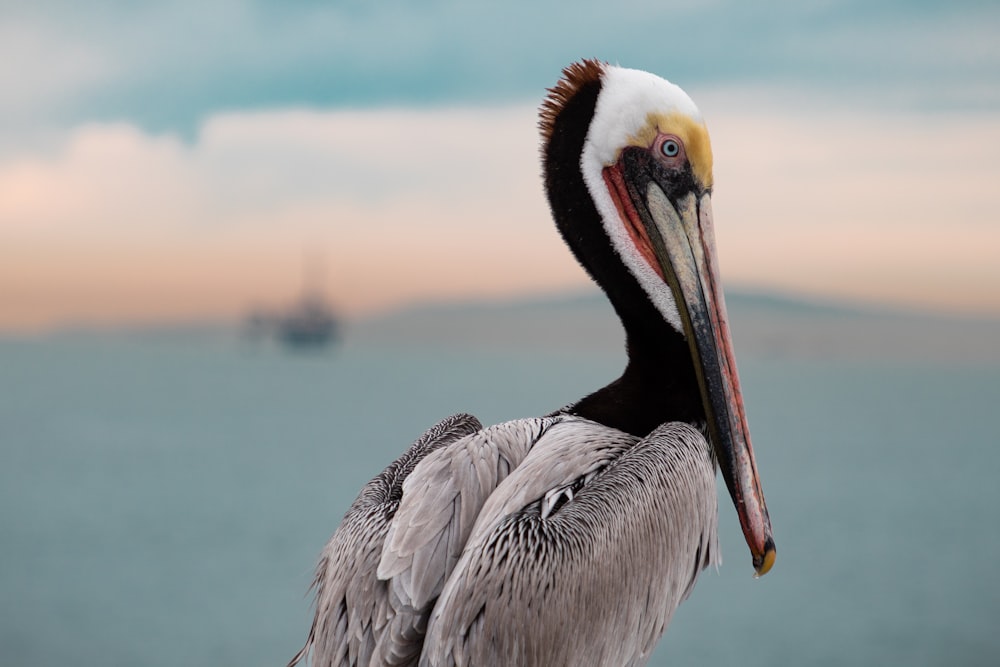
pixel 669 149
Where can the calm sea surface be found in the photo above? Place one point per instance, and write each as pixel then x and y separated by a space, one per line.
pixel 163 498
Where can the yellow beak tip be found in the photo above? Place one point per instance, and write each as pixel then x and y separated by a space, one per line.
pixel 766 563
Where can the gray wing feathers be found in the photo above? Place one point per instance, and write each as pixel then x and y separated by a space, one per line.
pixel 570 450
pixel 597 580
pixel 354 608
pixel 441 501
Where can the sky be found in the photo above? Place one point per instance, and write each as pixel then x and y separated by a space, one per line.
pixel 180 161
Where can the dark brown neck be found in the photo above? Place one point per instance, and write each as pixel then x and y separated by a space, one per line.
pixel 659 383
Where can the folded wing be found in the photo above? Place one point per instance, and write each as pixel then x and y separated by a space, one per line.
pixel 592 578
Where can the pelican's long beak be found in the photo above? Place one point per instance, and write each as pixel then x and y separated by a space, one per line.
pixel 683 243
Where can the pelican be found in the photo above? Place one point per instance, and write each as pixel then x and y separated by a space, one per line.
pixel 570 539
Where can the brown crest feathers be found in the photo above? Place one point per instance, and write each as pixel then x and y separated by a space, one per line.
pixel 574 77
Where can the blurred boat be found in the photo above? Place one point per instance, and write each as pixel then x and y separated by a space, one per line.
pixel 309 323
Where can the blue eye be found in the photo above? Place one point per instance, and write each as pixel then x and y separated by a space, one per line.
pixel 670 148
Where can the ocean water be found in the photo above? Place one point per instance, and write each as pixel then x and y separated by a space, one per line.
pixel 163 498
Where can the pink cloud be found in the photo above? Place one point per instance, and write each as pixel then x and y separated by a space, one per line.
pixel 121 226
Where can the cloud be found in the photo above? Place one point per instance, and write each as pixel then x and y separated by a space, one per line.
pixel 121 225
pixel 167 66
pixel 877 207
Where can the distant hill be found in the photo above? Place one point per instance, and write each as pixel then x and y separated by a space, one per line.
pixel 764 326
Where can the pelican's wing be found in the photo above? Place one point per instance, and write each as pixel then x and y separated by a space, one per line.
pixel 352 606
pixel 583 569
pixel 441 501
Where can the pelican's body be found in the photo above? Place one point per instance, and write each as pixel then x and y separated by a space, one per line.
pixel 570 539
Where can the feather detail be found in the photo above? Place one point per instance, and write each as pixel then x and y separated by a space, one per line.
pixel 595 582
pixel 353 608
pixel 574 77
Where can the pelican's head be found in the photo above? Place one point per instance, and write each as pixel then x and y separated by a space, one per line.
pixel 628 164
